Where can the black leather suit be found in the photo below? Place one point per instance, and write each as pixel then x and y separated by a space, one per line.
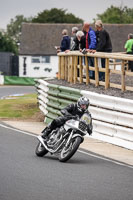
pixel 68 112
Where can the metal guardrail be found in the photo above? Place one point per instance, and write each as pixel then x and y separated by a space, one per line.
pixel 112 116
pixel 53 98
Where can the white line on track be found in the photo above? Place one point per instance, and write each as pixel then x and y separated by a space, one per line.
pixel 81 151
pixel 106 159
pixel 14 129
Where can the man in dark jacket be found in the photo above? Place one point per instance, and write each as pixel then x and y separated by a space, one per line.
pixel 65 43
pixel 103 44
pixel 72 110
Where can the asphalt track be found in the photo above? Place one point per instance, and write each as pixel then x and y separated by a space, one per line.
pixel 24 176
pixel 11 90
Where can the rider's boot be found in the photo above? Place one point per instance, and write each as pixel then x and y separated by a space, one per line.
pixel 46 132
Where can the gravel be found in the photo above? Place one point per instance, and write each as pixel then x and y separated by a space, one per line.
pixel 114 78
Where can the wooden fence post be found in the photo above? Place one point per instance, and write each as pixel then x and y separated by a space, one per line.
pixel 66 67
pixel 80 69
pixel 62 68
pixel 72 69
pixel 69 69
pixel 59 68
pixel 96 72
pixel 123 76
pixel 106 73
pixel 87 70
pixel 75 68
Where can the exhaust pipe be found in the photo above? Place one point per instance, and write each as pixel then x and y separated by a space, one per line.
pixel 45 146
pixel 41 140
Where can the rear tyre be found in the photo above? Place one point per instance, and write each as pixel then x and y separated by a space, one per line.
pixel 68 152
pixel 40 150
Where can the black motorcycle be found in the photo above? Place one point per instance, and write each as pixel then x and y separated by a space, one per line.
pixel 64 141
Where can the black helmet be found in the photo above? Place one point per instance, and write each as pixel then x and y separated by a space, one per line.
pixel 83 104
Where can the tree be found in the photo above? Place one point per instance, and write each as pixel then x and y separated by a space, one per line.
pixel 117 15
pixel 56 16
pixel 7 44
pixel 14 28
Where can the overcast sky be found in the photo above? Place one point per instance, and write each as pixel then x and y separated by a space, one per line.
pixel 85 9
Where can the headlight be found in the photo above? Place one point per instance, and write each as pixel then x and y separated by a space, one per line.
pixel 82 126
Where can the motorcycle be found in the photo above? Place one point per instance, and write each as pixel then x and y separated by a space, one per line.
pixel 64 141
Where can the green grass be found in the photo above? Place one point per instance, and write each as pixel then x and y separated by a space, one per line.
pixel 21 107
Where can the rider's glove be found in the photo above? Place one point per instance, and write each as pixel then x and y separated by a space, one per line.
pixel 89 131
pixel 75 117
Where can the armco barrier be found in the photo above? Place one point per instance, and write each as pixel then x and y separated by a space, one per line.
pixel 53 98
pixel 109 102
pixel 112 116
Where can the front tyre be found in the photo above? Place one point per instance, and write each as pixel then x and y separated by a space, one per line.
pixel 40 150
pixel 69 151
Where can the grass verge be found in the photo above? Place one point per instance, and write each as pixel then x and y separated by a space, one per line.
pixel 20 108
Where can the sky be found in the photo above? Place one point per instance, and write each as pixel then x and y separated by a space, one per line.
pixel 84 9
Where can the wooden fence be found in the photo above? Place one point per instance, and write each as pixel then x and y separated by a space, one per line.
pixel 73 67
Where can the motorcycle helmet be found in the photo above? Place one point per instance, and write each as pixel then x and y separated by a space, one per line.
pixel 83 104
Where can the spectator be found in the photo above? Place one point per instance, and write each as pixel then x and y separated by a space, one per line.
pixel 80 40
pixel 90 37
pixel 65 43
pixel 90 45
pixel 79 43
pixel 129 49
pixel 103 44
pixel 74 41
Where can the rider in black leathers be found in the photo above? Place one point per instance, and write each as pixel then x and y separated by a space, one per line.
pixel 69 112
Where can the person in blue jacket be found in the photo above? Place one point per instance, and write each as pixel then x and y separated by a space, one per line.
pixel 90 45
pixel 65 43
pixel 92 39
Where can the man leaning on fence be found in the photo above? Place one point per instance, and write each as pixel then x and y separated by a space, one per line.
pixel 90 44
pixel 103 44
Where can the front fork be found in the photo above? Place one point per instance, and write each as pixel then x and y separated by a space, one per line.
pixel 72 135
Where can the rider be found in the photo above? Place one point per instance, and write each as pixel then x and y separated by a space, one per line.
pixel 69 112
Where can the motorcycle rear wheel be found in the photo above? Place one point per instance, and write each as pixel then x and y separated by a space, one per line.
pixel 40 150
pixel 68 152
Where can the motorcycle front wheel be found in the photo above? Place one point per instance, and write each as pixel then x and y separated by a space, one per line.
pixel 68 152
pixel 40 150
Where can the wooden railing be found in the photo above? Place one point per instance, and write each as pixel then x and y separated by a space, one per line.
pixel 73 67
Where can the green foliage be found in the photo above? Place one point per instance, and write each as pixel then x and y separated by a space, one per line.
pixel 14 28
pixel 7 44
pixel 10 40
pixel 117 15
pixel 56 16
